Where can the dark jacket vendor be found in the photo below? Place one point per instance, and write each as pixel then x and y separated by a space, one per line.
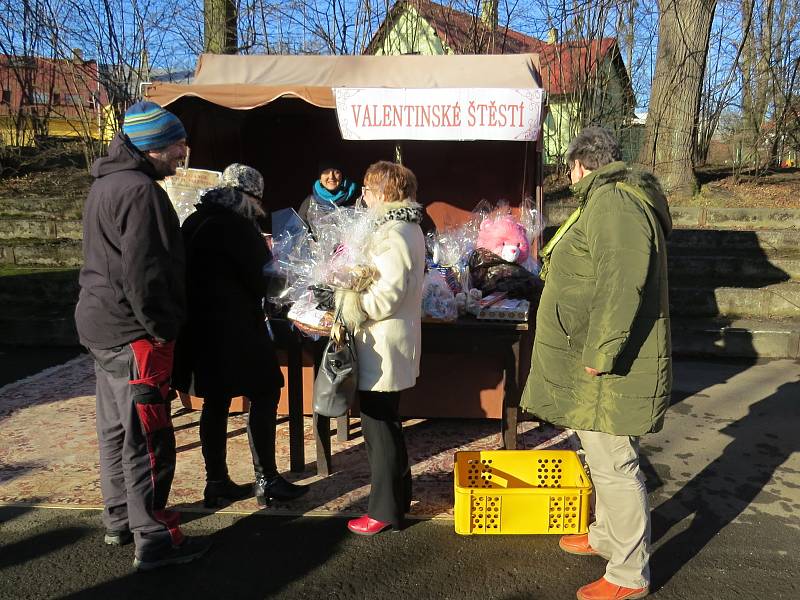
pixel 332 189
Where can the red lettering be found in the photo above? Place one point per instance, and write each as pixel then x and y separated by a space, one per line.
pixel 426 115
pixel 356 108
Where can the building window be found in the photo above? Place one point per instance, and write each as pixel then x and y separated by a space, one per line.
pixel 6 96
pixel 56 99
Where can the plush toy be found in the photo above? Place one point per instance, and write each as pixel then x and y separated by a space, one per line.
pixel 504 236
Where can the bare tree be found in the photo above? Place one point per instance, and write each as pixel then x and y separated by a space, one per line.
pixel 769 78
pixel 669 141
pixel 720 86
pixel 221 20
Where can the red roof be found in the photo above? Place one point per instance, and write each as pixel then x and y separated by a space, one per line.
pixel 564 66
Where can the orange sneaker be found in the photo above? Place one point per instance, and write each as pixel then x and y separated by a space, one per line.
pixel 577 544
pixel 604 590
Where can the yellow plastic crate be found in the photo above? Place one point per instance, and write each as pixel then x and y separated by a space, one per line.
pixel 521 491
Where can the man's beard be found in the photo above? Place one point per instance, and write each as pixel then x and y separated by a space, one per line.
pixel 162 167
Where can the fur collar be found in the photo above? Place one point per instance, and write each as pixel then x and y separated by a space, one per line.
pixel 405 210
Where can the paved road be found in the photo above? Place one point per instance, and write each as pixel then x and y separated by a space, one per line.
pixel 724 481
pixel 59 554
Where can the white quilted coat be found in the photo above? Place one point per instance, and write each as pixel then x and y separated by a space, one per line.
pixel 388 314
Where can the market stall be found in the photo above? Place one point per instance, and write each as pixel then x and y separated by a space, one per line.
pixel 468 126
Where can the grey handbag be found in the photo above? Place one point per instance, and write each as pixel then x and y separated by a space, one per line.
pixel 336 384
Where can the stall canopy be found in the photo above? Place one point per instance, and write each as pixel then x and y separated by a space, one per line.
pixel 275 113
pixel 244 82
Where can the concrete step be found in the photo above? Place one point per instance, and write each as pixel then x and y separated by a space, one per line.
pixel 40 228
pixel 39 330
pixel 750 338
pixel 43 208
pixel 735 218
pixel 778 300
pixel 736 268
pixel 766 242
pixel 41 253
pixel 701 217
pixel 30 289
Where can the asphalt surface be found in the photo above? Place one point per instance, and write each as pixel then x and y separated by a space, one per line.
pixel 724 482
pixel 60 554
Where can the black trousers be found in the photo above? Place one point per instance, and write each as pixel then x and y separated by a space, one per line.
pixel 261 420
pixel 390 491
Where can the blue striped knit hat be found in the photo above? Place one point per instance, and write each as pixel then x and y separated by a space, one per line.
pixel 150 127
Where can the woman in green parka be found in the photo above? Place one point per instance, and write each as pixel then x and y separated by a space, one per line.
pixel 601 360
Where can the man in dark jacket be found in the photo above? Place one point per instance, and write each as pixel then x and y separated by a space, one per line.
pixel 601 360
pixel 131 305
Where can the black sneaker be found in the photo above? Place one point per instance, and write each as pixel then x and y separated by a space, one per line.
pixel 190 549
pixel 119 537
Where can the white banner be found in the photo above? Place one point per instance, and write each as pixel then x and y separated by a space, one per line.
pixel 439 113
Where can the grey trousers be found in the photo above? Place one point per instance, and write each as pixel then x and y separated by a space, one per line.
pixel 621 531
pixel 137 444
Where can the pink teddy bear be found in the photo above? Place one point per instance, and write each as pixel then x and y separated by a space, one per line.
pixel 504 236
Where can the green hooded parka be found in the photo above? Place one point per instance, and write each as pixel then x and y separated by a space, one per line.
pixel 605 305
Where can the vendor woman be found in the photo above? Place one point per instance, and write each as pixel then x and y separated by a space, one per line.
pixel 330 189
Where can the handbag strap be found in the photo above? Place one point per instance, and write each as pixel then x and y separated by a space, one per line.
pixel 338 328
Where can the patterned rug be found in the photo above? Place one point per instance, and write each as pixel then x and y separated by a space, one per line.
pixel 48 452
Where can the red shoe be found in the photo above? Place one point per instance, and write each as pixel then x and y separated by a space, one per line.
pixel 603 590
pixel 577 544
pixel 366 525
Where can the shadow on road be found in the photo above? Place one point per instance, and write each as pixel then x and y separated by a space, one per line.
pixel 762 442
pixel 37 545
pixel 253 558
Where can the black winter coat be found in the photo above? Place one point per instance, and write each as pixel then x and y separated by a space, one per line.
pixel 224 350
pixel 133 265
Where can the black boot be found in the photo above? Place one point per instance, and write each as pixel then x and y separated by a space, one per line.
pixel 276 487
pixel 225 491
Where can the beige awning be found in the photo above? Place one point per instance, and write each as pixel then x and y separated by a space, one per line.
pixel 244 82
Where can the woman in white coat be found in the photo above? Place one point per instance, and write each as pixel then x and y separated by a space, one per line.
pixel 386 321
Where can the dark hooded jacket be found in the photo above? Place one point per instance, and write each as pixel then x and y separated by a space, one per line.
pixel 605 305
pixel 132 280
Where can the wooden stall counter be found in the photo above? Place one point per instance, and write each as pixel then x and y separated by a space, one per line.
pixel 469 368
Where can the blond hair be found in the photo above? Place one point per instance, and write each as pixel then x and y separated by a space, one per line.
pixel 391 180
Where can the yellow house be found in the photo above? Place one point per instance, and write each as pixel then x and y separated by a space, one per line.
pixel 586 80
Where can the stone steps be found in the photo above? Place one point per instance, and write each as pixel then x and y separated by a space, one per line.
pixel 38 307
pixel 16 228
pixel 737 270
pixel 29 252
pixel 766 242
pixel 55 329
pixel 734 280
pixel 690 217
pixel 749 338
pixel 705 299
pixel 58 209
pixel 39 288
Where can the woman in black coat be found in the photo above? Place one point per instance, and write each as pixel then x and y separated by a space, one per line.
pixel 225 350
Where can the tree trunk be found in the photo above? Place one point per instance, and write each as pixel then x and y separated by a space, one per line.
pixel 220 26
pixel 668 148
